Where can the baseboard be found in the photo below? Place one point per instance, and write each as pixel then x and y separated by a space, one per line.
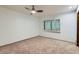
pixel 58 39
pixel 18 41
pixel 34 37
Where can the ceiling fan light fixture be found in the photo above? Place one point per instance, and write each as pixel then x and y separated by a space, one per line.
pixel 33 11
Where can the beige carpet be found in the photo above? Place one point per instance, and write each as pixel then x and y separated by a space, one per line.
pixel 40 45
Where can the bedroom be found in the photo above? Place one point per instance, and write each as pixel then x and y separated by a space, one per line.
pixel 22 29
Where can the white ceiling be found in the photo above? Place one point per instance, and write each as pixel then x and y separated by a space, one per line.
pixel 49 10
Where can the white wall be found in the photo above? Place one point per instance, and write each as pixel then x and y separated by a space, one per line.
pixel 68 27
pixel 16 26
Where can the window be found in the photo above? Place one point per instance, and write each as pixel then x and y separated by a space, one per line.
pixel 52 25
pixel 47 25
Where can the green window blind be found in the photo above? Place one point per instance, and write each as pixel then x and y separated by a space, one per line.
pixel 52 25
pixel 47 25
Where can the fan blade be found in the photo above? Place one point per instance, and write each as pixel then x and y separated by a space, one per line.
pixel 30 13
pixel 27 8
pixel 39 10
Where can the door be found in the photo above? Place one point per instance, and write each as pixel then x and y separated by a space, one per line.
pixel 78 29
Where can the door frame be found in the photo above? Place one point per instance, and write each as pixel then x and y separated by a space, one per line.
pixel 77 29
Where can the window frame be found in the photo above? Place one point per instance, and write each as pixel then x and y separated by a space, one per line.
pixel 51 29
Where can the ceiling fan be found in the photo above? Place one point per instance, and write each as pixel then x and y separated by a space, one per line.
pixel 33 10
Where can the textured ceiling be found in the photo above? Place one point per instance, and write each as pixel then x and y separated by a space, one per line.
pixel 49 10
